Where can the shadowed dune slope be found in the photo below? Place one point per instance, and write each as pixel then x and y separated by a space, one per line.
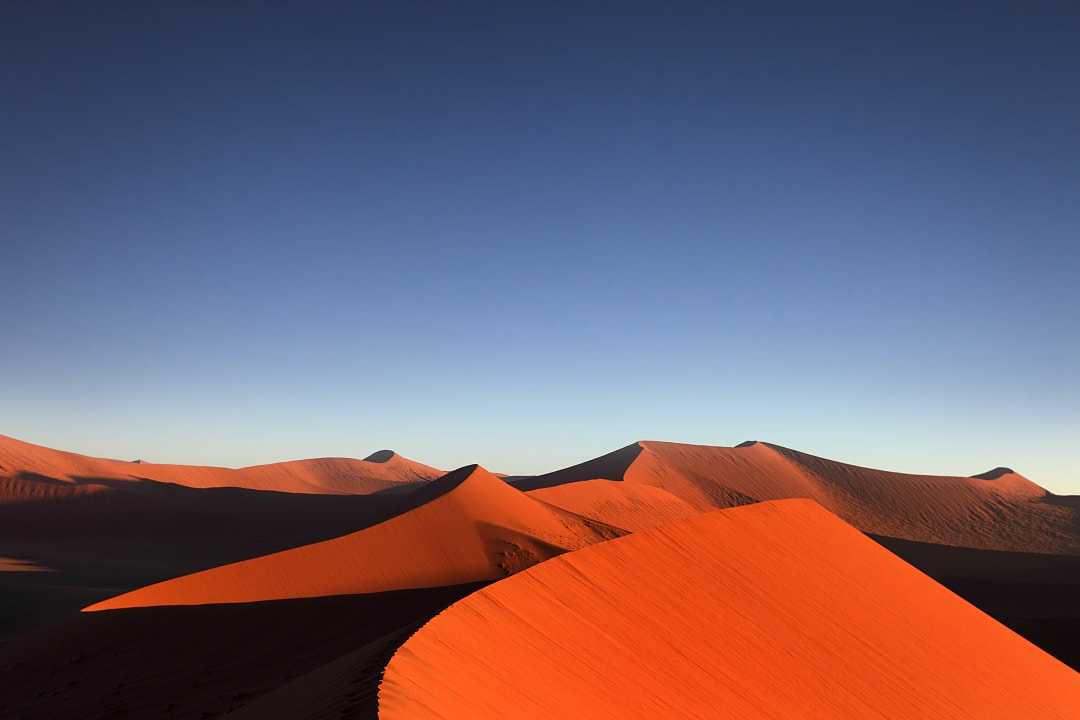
pixel 466 526
pixel 100 544
pixel 997 510
pixel 102 527
pixel 1035 594
pixel 33 472
pixel 192 663
pixel 777 610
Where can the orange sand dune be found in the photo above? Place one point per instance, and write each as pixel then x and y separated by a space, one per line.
pixel 997 510
pixel 107 526
pixel 98 545
pixel 628 506
pixel 777 610
pixel 467 526
pixel 33 472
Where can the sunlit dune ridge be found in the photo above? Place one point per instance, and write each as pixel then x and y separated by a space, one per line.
pixel 777 610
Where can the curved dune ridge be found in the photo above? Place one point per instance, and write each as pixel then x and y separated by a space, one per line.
pixel 464 527
pixel 32 472
pixel 777 610
pixel 629 506
pixel 999 510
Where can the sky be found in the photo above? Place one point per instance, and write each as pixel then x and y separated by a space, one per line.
pixel 526 237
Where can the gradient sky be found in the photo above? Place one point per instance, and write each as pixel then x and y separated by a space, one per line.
pixel 528 237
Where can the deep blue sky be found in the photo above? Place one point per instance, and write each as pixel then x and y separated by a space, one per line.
pixel 527 237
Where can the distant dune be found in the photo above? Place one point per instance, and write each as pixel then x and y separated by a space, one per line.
pixel 101 527
pixel 465 527
pixel 630 506
pixel 30 472
pixel 779 610
pixel 999 510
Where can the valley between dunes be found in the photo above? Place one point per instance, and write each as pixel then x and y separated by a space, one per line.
pixel 659 580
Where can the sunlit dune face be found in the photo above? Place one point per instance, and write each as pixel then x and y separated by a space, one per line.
pixel 629 506
pixel 777 610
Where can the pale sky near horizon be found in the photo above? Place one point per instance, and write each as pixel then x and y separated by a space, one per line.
pixel 526 237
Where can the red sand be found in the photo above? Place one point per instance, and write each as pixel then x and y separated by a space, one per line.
pixel 629 506
pixel 33 472
pixel 778 610
pixel 107 526
pixel 103 526
pixel 1000 510
pixel 468 526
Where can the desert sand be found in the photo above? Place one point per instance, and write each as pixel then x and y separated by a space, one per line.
pixel 467 526
pixel 778 610
pixel 1035 594
pixel 29 472
pixel 192 663
pixel 76 529
pixel 208 572
pixel 1000 510
pixel 630 506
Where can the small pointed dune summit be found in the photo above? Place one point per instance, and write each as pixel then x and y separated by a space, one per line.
pixel 778 610
pixel 1000 510
pixel 381 456
pixel 464 527
pixel 30 472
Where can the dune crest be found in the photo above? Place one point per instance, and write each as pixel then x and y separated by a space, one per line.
pixel 776 610
pixel 31 472
pixel 464 527
pixel 1000 510
pixel 629 506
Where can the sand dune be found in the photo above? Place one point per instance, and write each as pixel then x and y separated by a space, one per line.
pixel 629 506
pixel 997 510
pixel 98 545
pixel 103 527
pixel 75 530
pixel 34 472
pixel 778 610
pixel 1035 594
pixel 467 526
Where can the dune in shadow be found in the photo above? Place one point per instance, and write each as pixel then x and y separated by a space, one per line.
pixel 104 526
pixel 776 610
pixel 99 544
pixel 201 662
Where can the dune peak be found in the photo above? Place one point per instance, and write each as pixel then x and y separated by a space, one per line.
pixel 381 456
pixel 995 473
pixel 466 526
pixel 454 478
